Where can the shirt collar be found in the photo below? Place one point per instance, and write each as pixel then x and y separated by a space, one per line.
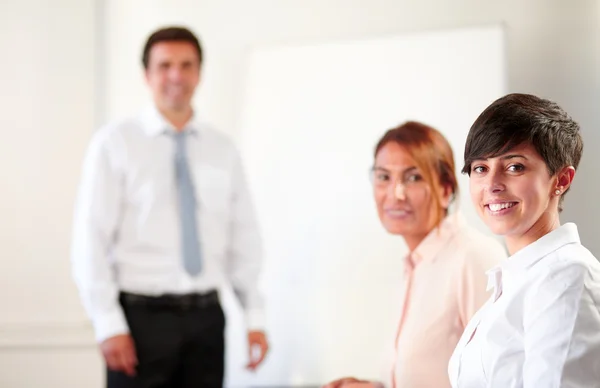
pixel 532 253
pixel 154 123
pixel 437 239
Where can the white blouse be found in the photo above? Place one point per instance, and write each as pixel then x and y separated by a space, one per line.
pixel 541 327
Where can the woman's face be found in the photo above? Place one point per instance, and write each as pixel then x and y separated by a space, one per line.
pixel 403 198
pixel 515 195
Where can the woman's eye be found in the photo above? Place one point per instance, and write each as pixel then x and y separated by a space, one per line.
pixel 478 169
pixel 414 178
pixel 516 167
pixel 382 177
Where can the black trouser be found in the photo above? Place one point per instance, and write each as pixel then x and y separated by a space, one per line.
pixel 179 342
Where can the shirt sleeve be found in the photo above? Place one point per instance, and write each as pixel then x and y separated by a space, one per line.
pixel 561 326
pixel 245 255
pixel 472 287
pixel 96 216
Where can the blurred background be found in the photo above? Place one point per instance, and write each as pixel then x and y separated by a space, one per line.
pixel 69 66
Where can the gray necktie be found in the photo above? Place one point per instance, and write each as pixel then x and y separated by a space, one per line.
pixel 187 208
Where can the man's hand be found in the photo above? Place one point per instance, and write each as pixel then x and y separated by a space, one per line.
pixel 119 353
pixel 256 340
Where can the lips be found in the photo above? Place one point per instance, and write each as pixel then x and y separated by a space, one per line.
pixel 397 213
pixel 500 207
pixel 496 207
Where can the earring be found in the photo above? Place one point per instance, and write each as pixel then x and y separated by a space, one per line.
pixel 557 192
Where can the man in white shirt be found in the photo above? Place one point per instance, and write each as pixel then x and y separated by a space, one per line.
pixel 163 220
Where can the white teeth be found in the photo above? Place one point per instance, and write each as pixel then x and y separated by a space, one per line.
pixel 496 207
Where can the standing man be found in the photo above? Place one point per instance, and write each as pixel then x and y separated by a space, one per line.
pixel 163 220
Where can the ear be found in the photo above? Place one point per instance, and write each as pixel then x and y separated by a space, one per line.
pixel 200 74
pixel 564 178
pixel 447 195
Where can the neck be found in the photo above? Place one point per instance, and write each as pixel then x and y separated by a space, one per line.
pixel 544 225
pixel 413 241
pixel 177 117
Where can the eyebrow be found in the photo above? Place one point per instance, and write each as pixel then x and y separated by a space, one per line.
pixel 513 156
pixel 377 168
pixel 170 62
pixel 507 157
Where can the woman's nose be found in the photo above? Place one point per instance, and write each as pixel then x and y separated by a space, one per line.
pixel 399 191
pixel 495 183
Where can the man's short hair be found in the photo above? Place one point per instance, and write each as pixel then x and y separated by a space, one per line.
pixel 170 34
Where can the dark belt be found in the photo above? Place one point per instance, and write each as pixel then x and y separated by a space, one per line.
pixel 171 301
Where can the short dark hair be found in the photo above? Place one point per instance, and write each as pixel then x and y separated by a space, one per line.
pixel 517 119
pixel 170 34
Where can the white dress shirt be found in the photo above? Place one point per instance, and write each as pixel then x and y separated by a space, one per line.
pixel 126 226
pixel 541 327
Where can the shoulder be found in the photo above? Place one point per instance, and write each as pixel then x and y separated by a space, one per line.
pixel 211 134
pixel 575 254
pixel 117 131
pixel 569 265
pixel 217 144
pixel 567 279
pixel 110 143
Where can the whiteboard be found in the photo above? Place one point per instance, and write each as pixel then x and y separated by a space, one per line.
pixel 312 115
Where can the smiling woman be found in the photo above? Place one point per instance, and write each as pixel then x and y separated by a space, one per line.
pixel 414 185
pixel 521 156
pixel 426 178
pixel 541 327
pixel 519 211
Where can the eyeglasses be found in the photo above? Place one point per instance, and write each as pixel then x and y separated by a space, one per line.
pixel 383 179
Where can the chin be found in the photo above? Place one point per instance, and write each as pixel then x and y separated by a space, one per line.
pixel 396 228
pixel 497 227
pixel 497 230
pixel 176 103
pixel 396 232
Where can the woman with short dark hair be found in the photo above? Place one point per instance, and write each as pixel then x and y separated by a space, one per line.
pixel 541 328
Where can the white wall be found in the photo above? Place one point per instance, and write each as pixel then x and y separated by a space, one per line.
pixel 47 117
pixel 47 98
pixel 47 75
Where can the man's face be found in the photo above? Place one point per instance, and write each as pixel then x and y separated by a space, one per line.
pixel 173 73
